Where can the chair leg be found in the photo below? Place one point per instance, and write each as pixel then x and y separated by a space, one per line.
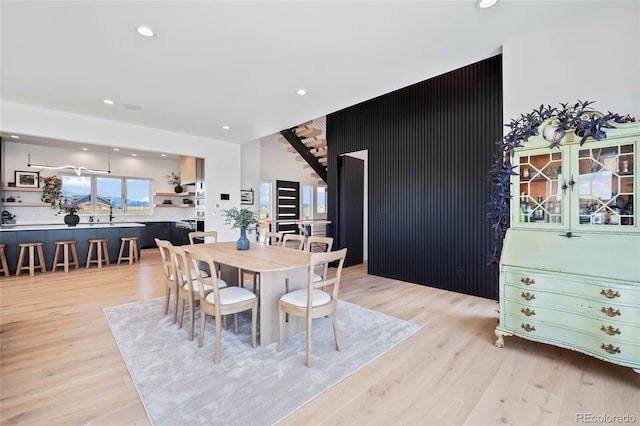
pixel 280 327
pixel 203 317
pixel 167 293
pixel 235 323
pixel 181 312
pixel 254 315
pixel 175 310
pixel 192 312
pixel 216 357
pixel 309 328
pixel 335 329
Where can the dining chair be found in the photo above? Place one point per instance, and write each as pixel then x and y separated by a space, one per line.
pixel 295 241
pixel 319 244
pixel 207 236
pixel 187 291
pixel 222 301
pixel 170 279
pixel 270 238
pixel 313 302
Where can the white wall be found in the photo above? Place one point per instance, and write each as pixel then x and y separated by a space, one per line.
pixel 593 54
pixel 222 159
pixel 250 176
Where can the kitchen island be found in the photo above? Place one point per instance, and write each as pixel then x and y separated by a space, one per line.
pixel 12 235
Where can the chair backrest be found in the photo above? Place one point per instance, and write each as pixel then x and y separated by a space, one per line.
pixel 293 241
pixel 212 280
pixel 272 238
pixel 183 272
pixel 332 277
pixel 167 261
pixel 302 230
pixel 205 235
pixel 318 244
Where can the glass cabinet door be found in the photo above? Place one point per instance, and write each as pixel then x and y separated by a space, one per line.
pixel 540 197
pixel 605 185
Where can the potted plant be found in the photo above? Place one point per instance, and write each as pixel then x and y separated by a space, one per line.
pixel 242 219
pixel 52 191
pixel 71 218
pixel 174 179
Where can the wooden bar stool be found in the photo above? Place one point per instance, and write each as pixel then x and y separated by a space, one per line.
pixel 3 261
pixel 102 252
pixel 133 249
pixel 65 255
pixel 32 259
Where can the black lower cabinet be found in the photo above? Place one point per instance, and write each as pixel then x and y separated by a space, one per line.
pixel 153 230
pixel 179 236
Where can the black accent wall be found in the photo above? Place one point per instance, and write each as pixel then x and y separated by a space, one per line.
pixel 430 147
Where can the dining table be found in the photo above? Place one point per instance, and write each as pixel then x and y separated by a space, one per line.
pixel 281 269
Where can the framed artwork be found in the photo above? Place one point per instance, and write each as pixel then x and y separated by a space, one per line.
pixel 246 196
pixel 27 179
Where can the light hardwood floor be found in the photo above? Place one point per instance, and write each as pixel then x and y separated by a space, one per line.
pixel 60 363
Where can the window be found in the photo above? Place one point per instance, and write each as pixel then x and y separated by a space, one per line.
pixel 265 204
pixel 307 201
pixel 101 195
pixel 321 199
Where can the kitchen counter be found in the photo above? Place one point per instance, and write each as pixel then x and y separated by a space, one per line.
pixel 12 235
pixel 52 226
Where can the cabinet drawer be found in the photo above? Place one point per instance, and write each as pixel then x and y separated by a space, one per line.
pixel 598 327
pixel 624 353
pixel 605 309
pixel 597 289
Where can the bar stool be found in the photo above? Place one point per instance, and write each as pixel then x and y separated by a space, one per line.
pixel 102 252
pixel 133 249
pixel 3 261
pixel 65 255
pixel 32 260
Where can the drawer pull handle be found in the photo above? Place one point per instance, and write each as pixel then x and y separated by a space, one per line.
pixel 610 312
pixel 528 312
pixel 527 281
pixel 529 296
pixel 610 349
pixel 610 330
pixel 528 328
pixel 609 294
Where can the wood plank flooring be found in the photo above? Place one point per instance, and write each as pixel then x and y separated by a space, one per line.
pixel 60 363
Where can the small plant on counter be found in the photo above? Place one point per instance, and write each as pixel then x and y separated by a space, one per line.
pixel 173 179
pixel 70 208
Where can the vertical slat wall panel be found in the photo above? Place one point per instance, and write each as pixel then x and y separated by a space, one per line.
pixel 431 146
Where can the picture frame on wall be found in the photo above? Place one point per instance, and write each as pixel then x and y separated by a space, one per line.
pixel 27 179
pixel 246 196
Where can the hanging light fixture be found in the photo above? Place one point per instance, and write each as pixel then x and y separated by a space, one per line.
pixel 78 169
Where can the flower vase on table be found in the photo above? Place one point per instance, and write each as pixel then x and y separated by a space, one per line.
pixel 243 243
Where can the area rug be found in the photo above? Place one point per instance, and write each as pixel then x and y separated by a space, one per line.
pixel 179 384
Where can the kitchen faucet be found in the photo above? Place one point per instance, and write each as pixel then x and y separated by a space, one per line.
pixel 110 213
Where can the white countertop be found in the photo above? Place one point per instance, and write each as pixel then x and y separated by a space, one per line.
pixel 57 226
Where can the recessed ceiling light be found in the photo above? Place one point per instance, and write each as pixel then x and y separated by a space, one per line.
pixel 134 155
pixel 145 31
pixel 301 92
pixel 85 149
pixel 15 136
pixel 226 127
pixel 116 149
pixel 485 4
pixel 108 102
pixel 163 155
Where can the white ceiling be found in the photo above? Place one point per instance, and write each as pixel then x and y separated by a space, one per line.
pixel 239 63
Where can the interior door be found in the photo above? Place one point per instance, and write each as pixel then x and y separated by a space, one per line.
pixel 287 205
pixel 350 208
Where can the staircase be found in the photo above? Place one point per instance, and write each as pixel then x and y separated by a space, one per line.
pixel 308 140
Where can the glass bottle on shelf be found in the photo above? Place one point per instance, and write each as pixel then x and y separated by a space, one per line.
pixel 538 212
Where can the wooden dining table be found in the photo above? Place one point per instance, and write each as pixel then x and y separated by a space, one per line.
pixel 278 267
